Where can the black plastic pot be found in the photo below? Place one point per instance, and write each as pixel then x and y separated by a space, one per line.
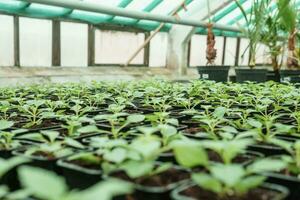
pixel 267 150
pixel 78 177
pixel 6 154
pixel 155 192
pixel 40 161
pixel 291 76
pixel 254 75
pixel 215 73
pixel 292 183
pixel 249 155
pixel 283 192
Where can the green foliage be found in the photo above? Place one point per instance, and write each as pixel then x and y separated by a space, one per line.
pixel 42 184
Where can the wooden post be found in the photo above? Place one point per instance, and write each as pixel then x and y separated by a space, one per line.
pixel 224 50
pixel 147 51
pixel 237 53
pixel 91 45
pixel 16 41
pixel 56 44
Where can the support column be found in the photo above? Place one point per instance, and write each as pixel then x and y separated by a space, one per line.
pixel 91 45
pixel 180 36
pixel 16 41
pixel 237 53
pixel 56 47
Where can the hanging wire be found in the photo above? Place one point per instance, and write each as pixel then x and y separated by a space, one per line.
pixel 209 11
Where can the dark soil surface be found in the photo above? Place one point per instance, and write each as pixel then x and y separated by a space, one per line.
pixel 256 194
pixel 160 180
pixel 87 165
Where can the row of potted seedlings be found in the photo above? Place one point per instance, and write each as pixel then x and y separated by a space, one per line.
pixel 200 140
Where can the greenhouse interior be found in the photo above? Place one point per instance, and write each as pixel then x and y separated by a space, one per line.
pixel 150 99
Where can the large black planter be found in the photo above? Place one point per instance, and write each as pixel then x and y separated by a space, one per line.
pixel 273 76
pixel 214 73
pixel 291 76
pixel 254 75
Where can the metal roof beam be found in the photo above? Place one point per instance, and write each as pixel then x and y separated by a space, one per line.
pixel 93 7
pixel 122 4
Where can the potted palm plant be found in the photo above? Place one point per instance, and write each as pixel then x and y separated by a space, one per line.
pixel 288 18
pixel 254 25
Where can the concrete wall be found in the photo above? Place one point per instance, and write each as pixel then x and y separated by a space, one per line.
pixel 11 76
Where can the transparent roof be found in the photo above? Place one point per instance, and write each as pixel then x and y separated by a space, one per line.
pixel 223 11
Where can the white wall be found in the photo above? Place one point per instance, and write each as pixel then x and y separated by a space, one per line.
pixel 244 52
pixel 74 44
pixel 198 50
pixel 262 54
pixel 35 42
pixel 112 47
pixel 158 50
pixel 6 41
pixel 230 51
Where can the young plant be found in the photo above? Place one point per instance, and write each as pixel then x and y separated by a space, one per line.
pixel 293 159
pixel 139 159
pixel 161 118
pixel 33 112
pixel 74 123
pixel 119 121
pixel 234 180
pixel 211 121
pixel 266 131
pixel 5 167
pixel 227 180
pixel 36 183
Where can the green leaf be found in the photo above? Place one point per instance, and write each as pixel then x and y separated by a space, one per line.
pixel 172 121
pixel 281 143
pixel 52 135
pixel 73 143
pixel 190 154
pixel 254 123
pixel 243 11
pixel 249 183
pixel 135 118
pixel 117 155
pixel 4 124
pixel 32 136
pixel 229 129
pixel 6 165
pixel 19 195
pixel 42 184
pixel 135 169
pixel 219 112
pixel 167 130
pixel 207 182
pixel 162 168
pixel 88 129
pixel 148 147
pixel 107 190
pixel 230 175
pixel 266 165
pixel 4 190
pixel 147 130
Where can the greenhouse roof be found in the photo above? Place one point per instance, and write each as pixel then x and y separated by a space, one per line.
pixel 224 12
